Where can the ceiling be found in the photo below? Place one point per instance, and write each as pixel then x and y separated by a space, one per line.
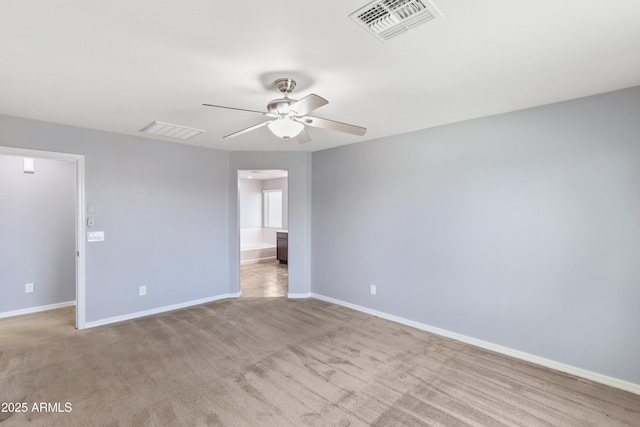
pixel 262 174
pixel 119 65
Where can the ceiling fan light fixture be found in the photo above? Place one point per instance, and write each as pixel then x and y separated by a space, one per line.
pixel 285 127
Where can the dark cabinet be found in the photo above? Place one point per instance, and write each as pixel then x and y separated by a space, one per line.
pixel 282 245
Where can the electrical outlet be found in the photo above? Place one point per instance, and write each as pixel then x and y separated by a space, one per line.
pixel 143 290
pixel 28 288
pixel 372 289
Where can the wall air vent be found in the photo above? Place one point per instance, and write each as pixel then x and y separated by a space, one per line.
pixel 171 131
pixel 388 18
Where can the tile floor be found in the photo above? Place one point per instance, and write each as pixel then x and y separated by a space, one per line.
pixel 264 279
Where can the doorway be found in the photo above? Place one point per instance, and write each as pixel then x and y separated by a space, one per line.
pixel 48 270
pixel 263 228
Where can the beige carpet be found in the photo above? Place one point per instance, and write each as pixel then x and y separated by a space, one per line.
pixel 278 362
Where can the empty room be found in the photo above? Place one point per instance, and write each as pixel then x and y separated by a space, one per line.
pixel 338 213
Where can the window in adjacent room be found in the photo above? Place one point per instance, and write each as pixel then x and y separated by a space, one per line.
pixel 272 208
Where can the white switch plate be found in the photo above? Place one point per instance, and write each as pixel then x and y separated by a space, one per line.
pixel 95 236
pixel 28 288
pixel 29 165
pixel 143 290
pixel 372 289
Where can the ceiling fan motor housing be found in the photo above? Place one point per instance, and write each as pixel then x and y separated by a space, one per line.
pixel 280 106
pixel 285 85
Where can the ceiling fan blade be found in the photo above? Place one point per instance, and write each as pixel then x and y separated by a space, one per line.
pixel 302 137
pixel 307 104
pixel 249 129
pixel 333 125
pixel 233 108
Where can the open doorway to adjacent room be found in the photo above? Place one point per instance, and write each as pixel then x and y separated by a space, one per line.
pixel 263 207
pixel 41 237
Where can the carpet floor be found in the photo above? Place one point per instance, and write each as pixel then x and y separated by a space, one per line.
pixel 279 362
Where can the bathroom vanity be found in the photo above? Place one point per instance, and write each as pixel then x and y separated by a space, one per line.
pixel 282 245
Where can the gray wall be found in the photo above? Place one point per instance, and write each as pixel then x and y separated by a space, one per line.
pixel 299 191
pixel 37 233
pixel 163 207
pixel 521 229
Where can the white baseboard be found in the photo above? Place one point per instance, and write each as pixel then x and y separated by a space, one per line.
pixel 299 296
pixel 257 260
pixel 552 364
pixel 36 309
pixel 158 310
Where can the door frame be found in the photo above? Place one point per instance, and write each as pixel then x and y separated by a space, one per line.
pixel 239 220
pixel 79 209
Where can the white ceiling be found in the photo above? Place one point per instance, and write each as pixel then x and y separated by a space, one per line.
pixel 262 174
pixel 118 65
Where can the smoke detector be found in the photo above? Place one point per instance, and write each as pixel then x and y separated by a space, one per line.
pixel 386 19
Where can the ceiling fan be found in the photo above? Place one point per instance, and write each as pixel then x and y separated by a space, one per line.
pixel 289 116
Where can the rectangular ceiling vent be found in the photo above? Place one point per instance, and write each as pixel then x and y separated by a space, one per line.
pixel 388 18
pixel 171 131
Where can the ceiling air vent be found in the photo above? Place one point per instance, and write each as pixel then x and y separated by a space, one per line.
pixel 388 18
pixel 171 131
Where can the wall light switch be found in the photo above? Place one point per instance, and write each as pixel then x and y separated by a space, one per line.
pixel 28 288
pixel 95 236
pixel 143 290
pixel 29 165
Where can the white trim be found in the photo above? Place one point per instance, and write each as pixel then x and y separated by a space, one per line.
pixel 159 310
pixel 300 296
pixel 31 310
pixel 552 364
pixel 80 245
pixel 80 203
pixel 257 260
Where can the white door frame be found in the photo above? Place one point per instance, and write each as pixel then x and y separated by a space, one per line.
pixel 80 203
pixel 239 222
